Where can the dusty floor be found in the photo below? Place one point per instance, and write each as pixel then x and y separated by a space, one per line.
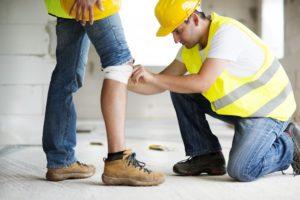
pixel 22 169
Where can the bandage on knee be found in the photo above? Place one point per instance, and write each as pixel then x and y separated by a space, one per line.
pixel 119 73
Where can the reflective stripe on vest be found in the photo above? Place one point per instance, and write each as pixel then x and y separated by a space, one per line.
pixel 248 87
pixel 267 93
pixel 271 105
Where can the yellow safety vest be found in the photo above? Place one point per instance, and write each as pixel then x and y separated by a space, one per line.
pixel 267 93
pixel 55 8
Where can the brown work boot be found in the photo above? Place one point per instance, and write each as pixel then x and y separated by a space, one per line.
pixel 76 170
pixel 129 171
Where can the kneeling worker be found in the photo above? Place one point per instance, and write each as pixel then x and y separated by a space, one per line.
pixel 232 76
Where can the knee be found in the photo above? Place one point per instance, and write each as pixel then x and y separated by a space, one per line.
pixel 175 97
pixel 65 83
pixel 120 73
pixel 174 94
pixel 239 170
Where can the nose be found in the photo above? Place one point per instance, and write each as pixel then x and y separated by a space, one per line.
pixel 176 37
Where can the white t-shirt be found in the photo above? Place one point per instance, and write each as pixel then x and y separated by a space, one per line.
pixel 230 43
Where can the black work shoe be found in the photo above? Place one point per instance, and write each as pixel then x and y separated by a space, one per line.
pixel 294 131
pixel 211 164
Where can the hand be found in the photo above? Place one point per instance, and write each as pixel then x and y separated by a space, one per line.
pixel 81 7
pixel 142 75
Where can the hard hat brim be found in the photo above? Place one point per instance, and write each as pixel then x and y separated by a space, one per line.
pixel 164 31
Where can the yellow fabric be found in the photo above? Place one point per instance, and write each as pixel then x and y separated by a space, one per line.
pixel 54 8
pixel 285 107
pixel 257 102
pixel 61 8
pixel 171 14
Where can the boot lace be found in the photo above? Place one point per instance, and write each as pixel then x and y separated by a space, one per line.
pixel 81 164
pixel 138 164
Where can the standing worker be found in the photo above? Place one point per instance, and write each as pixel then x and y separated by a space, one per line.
pixel 232 76
pixel 59 135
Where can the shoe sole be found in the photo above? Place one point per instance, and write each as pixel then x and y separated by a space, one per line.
pixel 61 177
pixel 212 172
pixel 128 181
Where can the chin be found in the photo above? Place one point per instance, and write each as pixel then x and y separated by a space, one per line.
pixel 189 46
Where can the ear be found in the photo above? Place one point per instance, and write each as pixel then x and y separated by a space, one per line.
pixel 196 19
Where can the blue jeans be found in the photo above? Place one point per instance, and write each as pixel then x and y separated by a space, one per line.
pixel 259 146
pixel 73 41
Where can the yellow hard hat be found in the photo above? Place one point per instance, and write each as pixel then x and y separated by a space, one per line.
pixel 171 13
pixel 110 7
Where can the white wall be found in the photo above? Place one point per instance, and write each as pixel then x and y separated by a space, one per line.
pixel 25 67
pixel 291 60
pixel 140 27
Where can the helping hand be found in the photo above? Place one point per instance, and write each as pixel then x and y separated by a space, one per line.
pixel 142 75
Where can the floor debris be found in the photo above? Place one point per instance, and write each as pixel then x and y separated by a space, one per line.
pixel 96 143
pixel 83 131
pixel 158 147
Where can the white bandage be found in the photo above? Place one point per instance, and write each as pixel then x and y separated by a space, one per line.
pixel 119 73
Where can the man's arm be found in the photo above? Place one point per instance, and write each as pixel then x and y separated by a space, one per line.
pixel 195 83
pixel 176 68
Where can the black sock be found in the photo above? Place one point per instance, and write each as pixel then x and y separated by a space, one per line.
pixel 115 156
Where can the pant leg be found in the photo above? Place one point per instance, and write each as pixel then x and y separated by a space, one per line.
pixel 259 147
pixel 196 134
pixel 59 133
pixel 107 35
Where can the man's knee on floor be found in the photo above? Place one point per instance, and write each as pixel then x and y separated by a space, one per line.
pixel 239 171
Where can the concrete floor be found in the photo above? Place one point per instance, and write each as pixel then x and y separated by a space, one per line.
pixel 22 169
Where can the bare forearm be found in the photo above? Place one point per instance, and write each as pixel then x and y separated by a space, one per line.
pixel 150 83
pixel 180 84
pixel 144 88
